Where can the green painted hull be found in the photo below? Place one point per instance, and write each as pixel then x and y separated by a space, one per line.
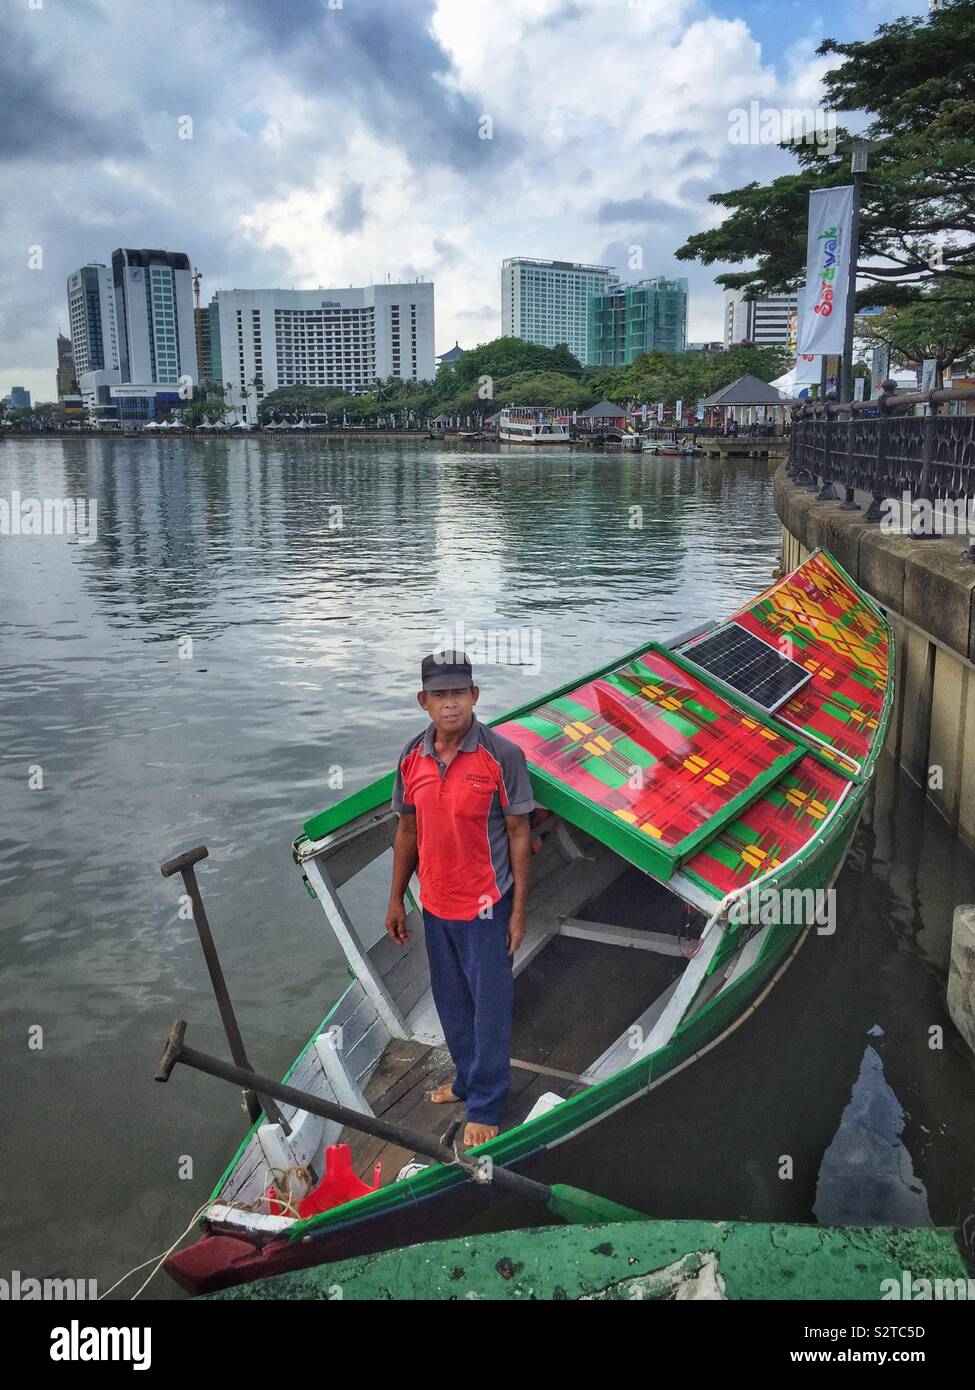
pixel 640 1260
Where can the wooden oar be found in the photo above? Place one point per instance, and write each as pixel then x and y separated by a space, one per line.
pixel 572 1204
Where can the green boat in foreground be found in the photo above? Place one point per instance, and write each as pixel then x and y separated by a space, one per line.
pixel 695 803
pixel 631 1260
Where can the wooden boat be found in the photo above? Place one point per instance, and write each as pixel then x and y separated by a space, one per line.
pixel 693 800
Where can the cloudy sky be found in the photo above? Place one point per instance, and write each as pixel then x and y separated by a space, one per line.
pixel 331 142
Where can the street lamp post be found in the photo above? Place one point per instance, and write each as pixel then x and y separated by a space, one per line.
pixel 858 164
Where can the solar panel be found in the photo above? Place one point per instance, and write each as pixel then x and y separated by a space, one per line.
pixel 747 664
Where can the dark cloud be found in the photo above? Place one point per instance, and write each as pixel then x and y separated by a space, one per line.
pixel 694 156
pixel 38 119
pixel 567 13
pixel 349 213
pixel 381 58
pixel 446 252
pixel 698 190
pixel 643 209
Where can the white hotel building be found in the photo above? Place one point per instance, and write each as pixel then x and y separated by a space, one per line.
pixel 346 338
pixel 547 302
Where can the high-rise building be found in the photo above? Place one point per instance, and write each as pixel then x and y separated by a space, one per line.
pixel 154 312
pixel 18 399
pixel 346 338
pixel 204 355
pixel 629 320
pixel 547 302
pixel 91 319
pixel 764 322
pixel 213 336
pixel 67 381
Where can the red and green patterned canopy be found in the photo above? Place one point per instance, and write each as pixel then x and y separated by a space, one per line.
pixel 675 772
pixel 652 746
pixel 826 625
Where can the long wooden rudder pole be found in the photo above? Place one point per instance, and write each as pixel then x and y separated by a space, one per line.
pixel 559 1199
pixel 185 865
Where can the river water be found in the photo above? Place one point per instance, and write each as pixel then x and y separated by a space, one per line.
pixel 244 633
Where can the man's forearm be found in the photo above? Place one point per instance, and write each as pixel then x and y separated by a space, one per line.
pixel 405 857
pixel 520 847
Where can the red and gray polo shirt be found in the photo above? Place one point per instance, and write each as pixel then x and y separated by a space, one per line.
pixel 460 809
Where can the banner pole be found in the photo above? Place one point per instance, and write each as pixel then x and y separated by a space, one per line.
pixel 859 166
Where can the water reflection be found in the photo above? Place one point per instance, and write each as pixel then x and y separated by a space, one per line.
pixel 305 643
pixel 867 1176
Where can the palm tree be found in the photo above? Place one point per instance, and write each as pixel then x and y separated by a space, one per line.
pixel 257 381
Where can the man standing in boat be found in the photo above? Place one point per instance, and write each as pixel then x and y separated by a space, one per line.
pixel 464 803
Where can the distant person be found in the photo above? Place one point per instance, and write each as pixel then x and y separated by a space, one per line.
pixel 464 802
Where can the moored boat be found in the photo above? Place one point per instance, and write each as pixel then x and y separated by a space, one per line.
pixel 526 425
pixel 692 800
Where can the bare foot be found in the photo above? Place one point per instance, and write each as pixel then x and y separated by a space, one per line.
pixel 444 1095
pixel 475 1134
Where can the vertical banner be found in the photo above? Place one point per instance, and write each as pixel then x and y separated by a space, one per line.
pixel 859 382
pixel 660 412
pixel 643 412
pixel 879 368
pixel 678 412
pixel 808 368
pixel 575 417
pixel 827 270
pixel 928 371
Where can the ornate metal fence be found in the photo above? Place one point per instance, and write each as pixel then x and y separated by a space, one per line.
pixel 891 454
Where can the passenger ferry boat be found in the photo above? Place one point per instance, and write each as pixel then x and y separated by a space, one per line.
pixel 525 425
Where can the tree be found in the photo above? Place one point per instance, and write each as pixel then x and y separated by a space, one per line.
pixel 539 388
pixel 939 326
pixel 501 358
pixel 916 79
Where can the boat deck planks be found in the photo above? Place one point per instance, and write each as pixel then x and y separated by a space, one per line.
pixel 624 982
pixel 402 1096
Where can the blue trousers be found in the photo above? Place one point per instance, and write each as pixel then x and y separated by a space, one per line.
pixel 473 989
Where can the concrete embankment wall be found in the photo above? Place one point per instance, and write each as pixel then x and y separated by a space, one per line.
pixel 928 591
